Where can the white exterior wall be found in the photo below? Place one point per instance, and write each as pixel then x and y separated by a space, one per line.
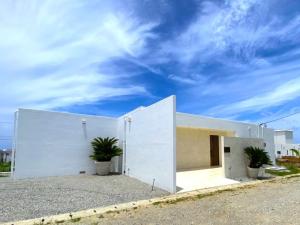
pixel 284 141
pixel 240 129
pixel 150 149
pixel 285 149
pixel 235 162
pixel 55 144
pixel 279 138
pixel 283 137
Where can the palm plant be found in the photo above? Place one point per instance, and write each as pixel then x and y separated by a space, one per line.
pixel 257 157
pixel 105 149
pixel 296 152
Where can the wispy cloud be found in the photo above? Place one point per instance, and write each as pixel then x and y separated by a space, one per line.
pixel 285 92
pixel 232 31
pixel 230 58
pixel 242 48
pixel 52 51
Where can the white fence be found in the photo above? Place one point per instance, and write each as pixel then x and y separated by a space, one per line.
pixel 56 144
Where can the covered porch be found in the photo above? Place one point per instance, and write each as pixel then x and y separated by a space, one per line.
pixel 199 158
pixel 201 178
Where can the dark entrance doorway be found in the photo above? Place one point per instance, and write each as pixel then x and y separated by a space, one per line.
pixel 214 150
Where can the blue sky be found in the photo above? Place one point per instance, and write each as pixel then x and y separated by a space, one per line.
pixel 230 59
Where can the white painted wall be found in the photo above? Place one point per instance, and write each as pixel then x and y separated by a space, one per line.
pixel 284 141
pixel 269 146
pixel 283 137
pixel 54 143
pixel 150 151
pixel 285 149
pixel 235 162
pixel 241 129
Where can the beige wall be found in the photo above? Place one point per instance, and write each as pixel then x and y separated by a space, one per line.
pixel 193 147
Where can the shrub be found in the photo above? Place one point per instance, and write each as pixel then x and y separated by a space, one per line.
pixel 5 167
pixel 105 149
pixel 257 157
pixel 296 152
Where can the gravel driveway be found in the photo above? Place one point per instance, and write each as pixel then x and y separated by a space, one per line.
pixel 268 203
pixel 30 198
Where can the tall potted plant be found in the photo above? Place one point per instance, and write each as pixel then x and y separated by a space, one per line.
pixel 104 150
pixel 257 157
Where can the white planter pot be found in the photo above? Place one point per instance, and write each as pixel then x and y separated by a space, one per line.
pixel 103 168
pixel 252 172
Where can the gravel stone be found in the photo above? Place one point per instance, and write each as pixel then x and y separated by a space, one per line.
pixel 31 198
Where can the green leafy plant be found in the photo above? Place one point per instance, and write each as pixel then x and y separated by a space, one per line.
pixel 5 167
pixel 257 157
pixel 295 152
pixel 105 149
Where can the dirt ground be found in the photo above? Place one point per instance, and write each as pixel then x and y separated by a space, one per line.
pixel 269 203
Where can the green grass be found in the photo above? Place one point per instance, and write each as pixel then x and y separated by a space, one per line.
pixel 5 167
pixel 292 170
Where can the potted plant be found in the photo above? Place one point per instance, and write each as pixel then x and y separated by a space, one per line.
pixel 257 157
pixel 104 150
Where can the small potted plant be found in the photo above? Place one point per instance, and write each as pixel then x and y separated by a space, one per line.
pixel 257 157
pixel 104 150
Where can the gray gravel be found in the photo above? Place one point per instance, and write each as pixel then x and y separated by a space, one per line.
pixel 269 204
pixel 31 198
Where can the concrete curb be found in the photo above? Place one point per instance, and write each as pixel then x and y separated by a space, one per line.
pixel 143 203
pixel 5 174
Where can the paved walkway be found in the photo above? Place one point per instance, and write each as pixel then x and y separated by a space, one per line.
pixel 202 178
pixel 266 204
pixel 31 198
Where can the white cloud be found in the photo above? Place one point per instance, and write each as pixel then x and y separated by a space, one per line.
pixel 52 51
pixel 287 91
pixel 191 79
pixel 230 32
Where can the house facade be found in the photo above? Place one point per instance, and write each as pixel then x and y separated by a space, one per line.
pixel 157 143
pixel 284 142
pixel 5 155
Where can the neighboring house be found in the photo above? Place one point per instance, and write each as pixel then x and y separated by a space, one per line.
pixel 5 155
pixel 284 142
pixel 157 143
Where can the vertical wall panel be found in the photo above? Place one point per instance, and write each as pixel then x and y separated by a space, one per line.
pixel 151 144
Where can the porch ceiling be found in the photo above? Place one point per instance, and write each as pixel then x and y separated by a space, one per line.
pixel 230 133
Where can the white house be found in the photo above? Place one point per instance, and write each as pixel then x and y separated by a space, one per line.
pixel 5 155
pixel 284 142
pixel 158 143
